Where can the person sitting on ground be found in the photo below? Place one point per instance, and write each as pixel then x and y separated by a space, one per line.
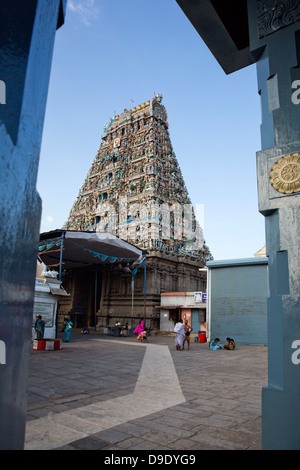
pixel 142 336
pixel 230 344
pixel 214 344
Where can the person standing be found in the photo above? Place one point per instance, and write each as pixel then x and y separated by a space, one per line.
pixel 68 329
pixel 140 328
pixel 188 329
pixel 39 327
pixel 179 335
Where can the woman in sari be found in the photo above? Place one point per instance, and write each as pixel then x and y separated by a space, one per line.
pixel 140 328
pixel 179 335
pixel 39 327
pixel 68 329
pixel 214 344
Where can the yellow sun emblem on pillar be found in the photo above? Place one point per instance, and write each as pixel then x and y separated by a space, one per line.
pixel 285 174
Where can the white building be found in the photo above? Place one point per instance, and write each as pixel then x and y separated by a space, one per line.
pixel 188 306
pixel 47 292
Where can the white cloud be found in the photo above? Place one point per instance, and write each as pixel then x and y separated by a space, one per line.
pixel 85 10
pixel 48 219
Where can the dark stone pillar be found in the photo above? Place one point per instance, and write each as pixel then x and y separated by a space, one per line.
pixel 27 34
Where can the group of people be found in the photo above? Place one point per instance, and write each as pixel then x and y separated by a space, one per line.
pixel 182 334
pixel 214 344
pixel 39 328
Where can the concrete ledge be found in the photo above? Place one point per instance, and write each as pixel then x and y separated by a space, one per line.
pixel 46 344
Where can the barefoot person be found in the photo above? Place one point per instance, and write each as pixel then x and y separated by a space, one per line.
pixel 179 335
pixel 188 329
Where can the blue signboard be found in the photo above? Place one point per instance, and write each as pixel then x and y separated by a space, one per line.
pixel 200 297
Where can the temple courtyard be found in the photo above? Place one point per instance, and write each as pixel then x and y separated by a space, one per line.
pixel 116 394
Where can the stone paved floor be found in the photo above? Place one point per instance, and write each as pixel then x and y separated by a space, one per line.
pixel 110 393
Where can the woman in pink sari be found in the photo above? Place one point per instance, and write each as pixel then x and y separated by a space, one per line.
pixel 140 328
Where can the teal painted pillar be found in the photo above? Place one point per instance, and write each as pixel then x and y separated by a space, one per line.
pixel 27 32
pixel 275 36
pixel 267 32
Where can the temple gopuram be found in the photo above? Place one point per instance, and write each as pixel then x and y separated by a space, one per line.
pixel 135 190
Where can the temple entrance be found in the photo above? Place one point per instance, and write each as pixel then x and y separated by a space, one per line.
pixel 174 315
pixel 198 319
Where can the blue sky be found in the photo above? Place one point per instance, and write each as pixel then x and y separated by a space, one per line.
pixel 116 54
